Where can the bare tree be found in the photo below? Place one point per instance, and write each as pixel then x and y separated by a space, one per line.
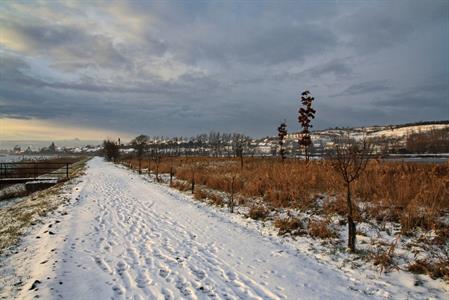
pixel 111 150
pixel 140 143
pixel 306 114
pixel 215 143
pixel 239 143
pixel 350 159
pixel 157 159
pixel 282 133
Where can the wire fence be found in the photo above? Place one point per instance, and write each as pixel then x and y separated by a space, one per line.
pixel 24 171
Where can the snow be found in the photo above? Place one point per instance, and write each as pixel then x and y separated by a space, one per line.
pixel 15 158
pixel 5 203
pixel 54 181
pixel 129 150
pixel 124 237
pixel 404 131
pixel 11 191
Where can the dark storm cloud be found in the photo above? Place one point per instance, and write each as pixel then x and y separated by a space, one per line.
pixel 368 87
pixel 272 46
pixel 337 68
pixel 25 97
pixel 173 68
pixel 381 24
pixel 14 71
pixel 267 33
pixel 333 115
pixel 431 96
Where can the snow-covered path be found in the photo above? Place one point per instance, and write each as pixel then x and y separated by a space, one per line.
pixel 128 238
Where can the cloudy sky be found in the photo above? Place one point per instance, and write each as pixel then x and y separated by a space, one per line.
pixel 94 69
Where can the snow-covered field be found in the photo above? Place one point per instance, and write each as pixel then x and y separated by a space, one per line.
pixel 14 158
pixel 124 237
pixel 404 131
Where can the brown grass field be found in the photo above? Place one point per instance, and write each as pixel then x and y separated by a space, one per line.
pixel 413 194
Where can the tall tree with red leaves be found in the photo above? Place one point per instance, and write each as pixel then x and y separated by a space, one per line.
pixel 282 133
pixel 306 114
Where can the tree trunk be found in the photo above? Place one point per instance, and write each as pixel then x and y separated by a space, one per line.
pixel 193 183
pixel 241 161
pixel 231 200
pixel 351 224
pixel 140 166
pixel 171 176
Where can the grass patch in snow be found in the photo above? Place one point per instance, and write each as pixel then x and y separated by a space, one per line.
pixel 15 220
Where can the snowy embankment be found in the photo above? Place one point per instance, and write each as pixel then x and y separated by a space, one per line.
pixel 126 238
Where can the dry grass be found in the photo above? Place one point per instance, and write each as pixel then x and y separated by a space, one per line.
pixel 181 185
pixel 437 269
pixel 216 199
pixel 414 194
pixel 384 258
pixel 258 212
pixel 288 225
pixel 200 194
pixel 321 229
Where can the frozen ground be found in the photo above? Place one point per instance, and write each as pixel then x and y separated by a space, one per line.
pixel 123 237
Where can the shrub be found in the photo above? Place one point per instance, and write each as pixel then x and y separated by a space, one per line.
pixel 258 212
pixel 216 199
pixel 200 194
pixel 288 225
pixel 438 269
pixel 321 229
pixel 111 150
pixel 383 258
pixel 181 185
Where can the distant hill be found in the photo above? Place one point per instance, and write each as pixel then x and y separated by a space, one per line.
pixel 389 131
pixel 36 145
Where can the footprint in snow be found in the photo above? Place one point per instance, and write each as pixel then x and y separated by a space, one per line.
pixel 34 285
pixel 168 295
pixel 163 273
pixel 117 290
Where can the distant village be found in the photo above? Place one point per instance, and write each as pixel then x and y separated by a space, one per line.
pixel 430 137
